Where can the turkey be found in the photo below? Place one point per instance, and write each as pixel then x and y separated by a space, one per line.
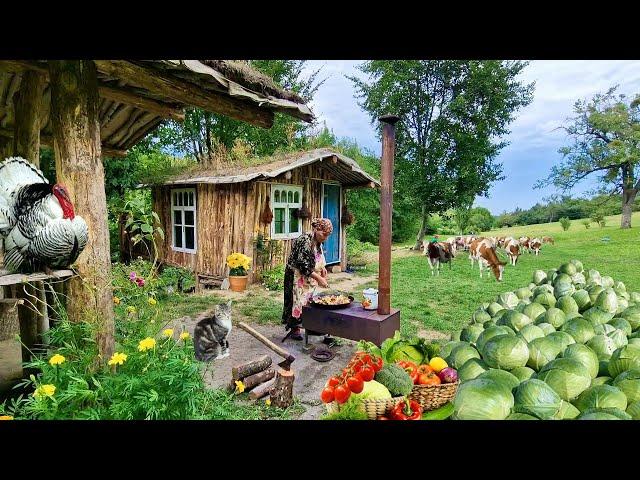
pixel 38 226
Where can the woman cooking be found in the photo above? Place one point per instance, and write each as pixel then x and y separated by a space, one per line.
pixel 304 271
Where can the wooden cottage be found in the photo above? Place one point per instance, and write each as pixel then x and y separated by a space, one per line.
pixel 209 215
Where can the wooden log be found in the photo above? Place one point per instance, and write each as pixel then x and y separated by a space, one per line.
pixel 185 92
pixel 74 120
pixel 258 378
pixel 282 392
pixel 246 369
pixel 262 390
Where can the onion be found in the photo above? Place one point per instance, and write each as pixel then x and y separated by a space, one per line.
pixel 448 375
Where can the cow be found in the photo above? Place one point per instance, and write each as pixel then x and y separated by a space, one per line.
pixel 485 252
pixel 512 247
pixel 437 252
pixel 535 245
pixel 524 243
pixel 461 244
pixel 548 240
pixel 451 241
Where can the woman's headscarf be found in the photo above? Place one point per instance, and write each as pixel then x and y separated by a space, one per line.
pixel 322 224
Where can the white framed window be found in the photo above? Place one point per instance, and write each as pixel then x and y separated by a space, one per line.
pixel 183 220
pixel 285 199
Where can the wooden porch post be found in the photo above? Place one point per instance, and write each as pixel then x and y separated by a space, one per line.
pixel 76 134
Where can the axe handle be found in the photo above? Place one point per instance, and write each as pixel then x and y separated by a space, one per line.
pixel 276 348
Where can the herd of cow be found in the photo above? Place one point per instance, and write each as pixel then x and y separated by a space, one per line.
pixel 482 250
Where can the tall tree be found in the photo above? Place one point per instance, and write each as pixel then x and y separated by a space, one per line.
pixel 453 115
pixel 606 141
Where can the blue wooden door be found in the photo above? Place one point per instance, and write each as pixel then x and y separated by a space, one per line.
pixel 331 210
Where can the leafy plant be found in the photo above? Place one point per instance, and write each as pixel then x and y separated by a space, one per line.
pixel 598 218
pixel 143 224
pixel 273 278
pixel 587 223
pixel 238 264
pixel 565 223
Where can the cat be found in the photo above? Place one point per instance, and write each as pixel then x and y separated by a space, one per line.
pixel 211 333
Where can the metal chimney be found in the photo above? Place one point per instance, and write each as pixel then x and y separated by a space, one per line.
pixel 386 205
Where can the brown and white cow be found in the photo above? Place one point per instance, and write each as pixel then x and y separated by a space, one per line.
pixel 535 245
pixel 451 241
pixel 437 252
pixel 485 252
pixel 548 240
pixel 524 243
pixel 512 247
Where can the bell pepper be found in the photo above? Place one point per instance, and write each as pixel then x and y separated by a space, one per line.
pixel 411 368
pixel 407 410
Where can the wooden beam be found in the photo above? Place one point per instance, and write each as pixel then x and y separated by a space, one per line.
pixel 26 123
pixel 185 92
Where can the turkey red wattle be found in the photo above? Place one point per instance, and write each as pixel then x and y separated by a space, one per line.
pixel 61 193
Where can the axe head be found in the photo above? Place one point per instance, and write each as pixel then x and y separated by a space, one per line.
pixel 286 363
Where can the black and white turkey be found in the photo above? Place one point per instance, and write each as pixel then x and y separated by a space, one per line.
pixel 38 226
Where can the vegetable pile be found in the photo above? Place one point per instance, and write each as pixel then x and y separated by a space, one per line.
pixel 567 346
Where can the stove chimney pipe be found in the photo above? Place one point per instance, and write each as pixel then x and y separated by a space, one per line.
pixel 386 205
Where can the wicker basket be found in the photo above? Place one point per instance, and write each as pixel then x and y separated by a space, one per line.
pixel 373 408
pixel 431 397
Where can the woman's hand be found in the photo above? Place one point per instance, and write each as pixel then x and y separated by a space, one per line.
pixel 321 281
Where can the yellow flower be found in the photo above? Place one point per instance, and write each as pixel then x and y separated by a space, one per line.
pixel 57 359
pixel 239 386
pixel 184 335
pixel 146 344
pixel 268 402
pixel 168 332
pixel 45 391
pixel 118 358
pixel 131 309
pixel 6 417
pixel 116 300
pixel 152 301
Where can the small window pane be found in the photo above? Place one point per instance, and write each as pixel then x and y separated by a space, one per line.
pixel 290 197
pixel 276 196
pixel 177 217
pixel 296 197
pixel 293 222
pixel 191 199
pixel 177 236
pixel 175 198
pixel 279 220
pixel 189 237
pixel 188 217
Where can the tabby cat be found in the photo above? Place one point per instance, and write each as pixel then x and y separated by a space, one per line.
pixel 211 333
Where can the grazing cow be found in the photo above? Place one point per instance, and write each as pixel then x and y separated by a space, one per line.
pixel 451 241
pixel 461 243
pixel 548 240
pixel 485 252
pixel 438 252
pixel 512 247
pixel 535 245
pixel 524 243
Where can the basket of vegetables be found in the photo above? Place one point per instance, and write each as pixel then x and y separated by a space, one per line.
pixel 435 383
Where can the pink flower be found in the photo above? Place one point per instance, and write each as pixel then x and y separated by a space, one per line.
pixel 296 312
pixel 140 281
pixel 132 276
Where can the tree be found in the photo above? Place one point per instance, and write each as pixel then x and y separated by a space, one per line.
pixel 606 141
pixel 453 115
pixel 482 219
pixel 462 215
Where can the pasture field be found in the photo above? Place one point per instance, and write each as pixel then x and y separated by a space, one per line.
pixel 445 303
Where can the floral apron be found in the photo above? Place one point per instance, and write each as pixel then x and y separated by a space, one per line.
pixel 302 286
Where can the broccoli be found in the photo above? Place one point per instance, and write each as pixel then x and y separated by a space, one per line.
pixel 396 379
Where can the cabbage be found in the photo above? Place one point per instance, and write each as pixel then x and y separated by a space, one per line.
pixel 539 277
pixel 455 336
pixel 566 412
pixel 567 305
pixel 634 341
pixel 482 399
pixel 547 328
pixel 597 316
pixel 601 396
pixel 604 414
pixel 529 332
pixel 567 376
pixel 621 324
pixel 554 316
pixel 373 390
pixel 480 316
pixel 634 297
pixel 563 338
pixel 523 373
pixel 624 358
pixel 471 369
pixel 471 332
pixel 604 329
pixel 568 268
pixel 572 315
pixel 507 300
pixel 546 288
pixel 601 381
pixel 531 286
pixel 580 329
pixel 563 289
pixel 593 276
pixel 446 350
pixel 602 345
pixel 634 410
pixel 494 308
pixel 521 416
pixel 629 383
pixel 620 286
pixel 607 281
pixel 534 310
pixel 603 368
pixel 505 352
pixel 578 280
pixel 523 293
pixel 521 305
pixel 623 304
pixel 632 315
pixel 582 300
pixel 542 351
pixel 594 291
pixel 460 355
pixel 535 397
pixel 619 338
pixel 489 323
pixel 562 278
pixel 491 332
pixel 503 377
pixel 552 273
pixel 406 352
pixel 546 299
pixel 607 300
pixel 498 315
pixel 578 265
pixel 585 356
pixel 514 320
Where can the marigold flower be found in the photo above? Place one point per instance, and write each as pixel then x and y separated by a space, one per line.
pixel 131 309
pixel 168 332
pixel 57 359
pixel 116 300
pixel 118 359
pixel 184 335
pixel 239 386
pixel 152 301
pixel 146 344
pixel 45 391
pixel 268 402
pixel 6 417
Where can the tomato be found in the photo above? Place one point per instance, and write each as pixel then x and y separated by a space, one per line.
pixel 377 364
pixel 429 379
pixel 425 369
pixel 366 358
pixel 357 366
pixel 327 395
pixel 333 381
pixel 355 384
pixel 342 393
pixel 367 373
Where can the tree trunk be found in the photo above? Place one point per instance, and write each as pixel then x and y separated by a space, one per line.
pixel 76 132
pixel 423 228
pixel 628 197
pixel 282 392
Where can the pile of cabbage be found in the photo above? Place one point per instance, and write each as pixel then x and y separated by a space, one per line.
pixel 567 346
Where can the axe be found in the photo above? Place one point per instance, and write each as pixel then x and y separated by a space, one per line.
pixel 288 358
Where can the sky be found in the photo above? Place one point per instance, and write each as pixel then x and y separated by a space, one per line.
pixel 533 141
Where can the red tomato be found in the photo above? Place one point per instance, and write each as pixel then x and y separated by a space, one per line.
pixel 342 393
pixel 333 382
pixel 357 366
pixel 366 358
pixel 377 364
pixel 429 379
pixel 425 369
pixel 367 373
pixel 355 384
pixel 327 395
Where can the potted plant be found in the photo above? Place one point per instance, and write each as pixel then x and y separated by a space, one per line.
pixel 238 267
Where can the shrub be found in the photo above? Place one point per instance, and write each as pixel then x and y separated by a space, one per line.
pixel 273 278
pixel 587 223
pixel 565 223
pixel 598 218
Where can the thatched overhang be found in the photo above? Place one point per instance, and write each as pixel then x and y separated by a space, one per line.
pixel 136 95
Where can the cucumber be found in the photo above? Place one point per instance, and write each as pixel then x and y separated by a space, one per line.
pixel 441 413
